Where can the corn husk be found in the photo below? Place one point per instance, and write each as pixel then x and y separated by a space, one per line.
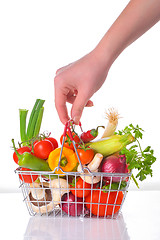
pixel 110 145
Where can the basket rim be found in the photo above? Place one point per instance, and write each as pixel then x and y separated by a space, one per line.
pixel 32 172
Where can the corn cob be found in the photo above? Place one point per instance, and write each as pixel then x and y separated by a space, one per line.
pixel 112 144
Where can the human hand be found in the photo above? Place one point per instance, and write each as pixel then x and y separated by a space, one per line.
pixel 76 83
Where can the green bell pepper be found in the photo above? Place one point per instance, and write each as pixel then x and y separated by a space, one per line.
pixel 28 160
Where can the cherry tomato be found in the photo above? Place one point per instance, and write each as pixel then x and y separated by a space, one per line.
pixel 68 143
pixel 85 156
pixel 27 178
pixel 21 151
pixel 53 141
pixel 80 185
pixel 43 148
pixel 99 197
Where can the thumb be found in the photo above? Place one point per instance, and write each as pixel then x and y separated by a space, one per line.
pixel 78 106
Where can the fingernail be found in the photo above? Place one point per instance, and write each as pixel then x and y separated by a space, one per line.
pixel 90 104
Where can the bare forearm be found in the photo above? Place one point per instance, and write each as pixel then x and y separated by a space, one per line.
pixel 77 82
pixel 138 17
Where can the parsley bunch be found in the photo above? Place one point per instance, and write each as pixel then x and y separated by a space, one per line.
pixel 137 158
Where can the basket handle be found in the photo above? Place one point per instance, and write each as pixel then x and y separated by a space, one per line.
pixel 67 127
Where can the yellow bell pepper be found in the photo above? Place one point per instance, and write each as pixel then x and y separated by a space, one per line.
pixel 68 160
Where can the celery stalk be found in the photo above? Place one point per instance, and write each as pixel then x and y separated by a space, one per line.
pixel 34 119
pixel 23 116
pixel 38 123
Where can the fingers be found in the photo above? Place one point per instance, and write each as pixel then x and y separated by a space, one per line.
pixel 60 103
pixel 69 88
pixel 78 106
pixel 89 104
pixel 71 99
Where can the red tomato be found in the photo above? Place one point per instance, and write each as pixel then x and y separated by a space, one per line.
pixel 27 178
pixel 43 148
pixel 103 197
pixel 85 156
pixel 53 141
pixel 68 143
pixel 35 142
pixel 21 151
pixel 80 185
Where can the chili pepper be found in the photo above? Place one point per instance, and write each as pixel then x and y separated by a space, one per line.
pixel 68 160
pixel 28 160
pixel 90 135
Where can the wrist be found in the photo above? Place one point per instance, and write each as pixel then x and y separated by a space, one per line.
pixel 104 55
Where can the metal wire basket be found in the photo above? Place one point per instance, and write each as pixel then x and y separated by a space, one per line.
pixel 43 198
pixel 54 195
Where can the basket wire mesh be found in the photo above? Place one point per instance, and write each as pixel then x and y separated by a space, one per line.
pixel 46 196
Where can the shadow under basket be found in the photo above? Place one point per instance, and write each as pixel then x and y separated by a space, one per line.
pixel 57 195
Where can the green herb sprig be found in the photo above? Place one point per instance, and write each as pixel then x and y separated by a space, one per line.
pixel 115 186
pixel 137 158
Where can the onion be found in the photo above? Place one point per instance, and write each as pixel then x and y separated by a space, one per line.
pixel 114 164
pixel 70 206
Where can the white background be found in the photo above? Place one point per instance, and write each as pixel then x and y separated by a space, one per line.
pixel 37 37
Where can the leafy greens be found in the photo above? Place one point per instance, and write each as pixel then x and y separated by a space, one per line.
pixel 137 158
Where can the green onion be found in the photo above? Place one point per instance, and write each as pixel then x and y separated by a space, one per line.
pixel 32 115
pixel 34 119
pixel 23 116
pixel 38 123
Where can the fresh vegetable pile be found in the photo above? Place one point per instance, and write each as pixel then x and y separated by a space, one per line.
pixel 89 179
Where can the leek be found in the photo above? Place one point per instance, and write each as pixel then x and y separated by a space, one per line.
pixel 23 116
